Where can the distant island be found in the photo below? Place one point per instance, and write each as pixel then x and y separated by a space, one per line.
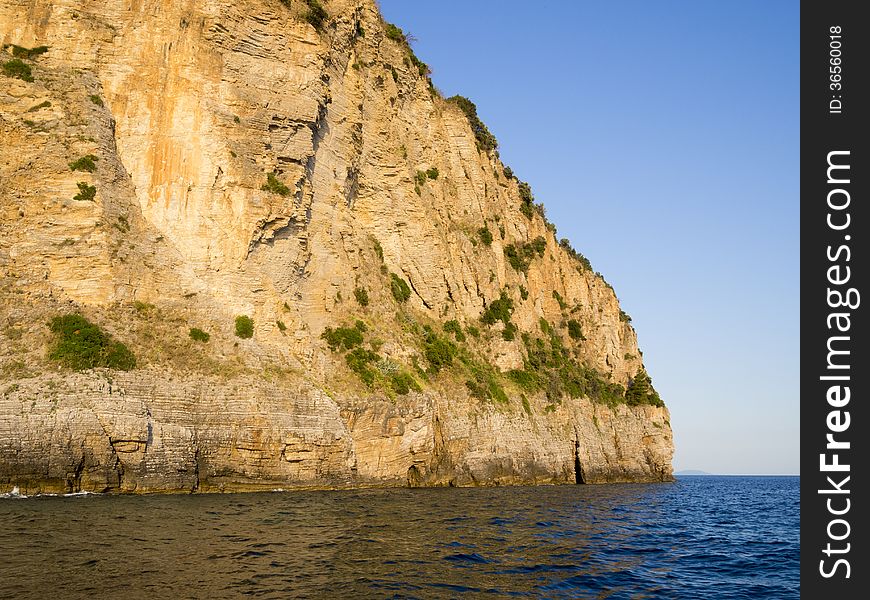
pixel 692 472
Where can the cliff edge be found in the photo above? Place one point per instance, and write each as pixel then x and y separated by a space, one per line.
pixel 249 245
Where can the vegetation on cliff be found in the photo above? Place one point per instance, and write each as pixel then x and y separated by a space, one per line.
pixel 86 163
pixel 18 68
pixel 87 192
pixel 480 331
pixel 375 371
pixel 80 345
pixel 485 139
pixel 244 327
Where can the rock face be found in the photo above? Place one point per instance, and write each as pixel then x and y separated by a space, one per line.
pixel 251 159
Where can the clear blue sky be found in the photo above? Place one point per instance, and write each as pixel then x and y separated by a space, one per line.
pixel 663 138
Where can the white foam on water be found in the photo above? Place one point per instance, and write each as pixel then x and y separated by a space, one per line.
pixel 16 494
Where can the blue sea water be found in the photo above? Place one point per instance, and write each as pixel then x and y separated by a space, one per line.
pixel 701 537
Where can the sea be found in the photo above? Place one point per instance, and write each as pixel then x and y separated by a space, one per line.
pixel 704 537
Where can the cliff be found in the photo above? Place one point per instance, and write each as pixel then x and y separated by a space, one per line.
pixel 319 270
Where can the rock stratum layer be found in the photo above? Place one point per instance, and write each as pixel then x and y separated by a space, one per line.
pixel 260 158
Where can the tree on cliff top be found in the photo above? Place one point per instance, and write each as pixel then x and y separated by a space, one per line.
pixel 485 139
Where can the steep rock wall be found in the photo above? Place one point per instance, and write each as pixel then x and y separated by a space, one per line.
pixel 188 106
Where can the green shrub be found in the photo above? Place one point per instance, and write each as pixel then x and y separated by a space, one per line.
pixel 485 383
pixel 455 328
pixel 526 406
pixel 400 289
pixel 566 246
pixel 404 382
pixel 27 53
pixel 142 307
pixel 524 293
pixel 85 163
pixel 420 178
pixel 432 173
pixel 358 360
pixel 82 345
pixel 96 99
pixel 508 172
pixel 527 199
pixel 526 380
pixel 198 335
pixel 316 14
pixel 275 185
pixel 562 304
pixel 485 235
pixel 395 33
pixel 342 337
pixel 641 391
pixel 439 351
pixel 282 327
pixel 244 327
pixel 509 332
pixel 362 296
pixel 498 310
pixel 520 256
pixel 86 192
pixel 574 330
pixel 485 140
pixel 379 251
pixel 549 366
pixel 18 68
pixel 624 316
pixel 516 259
pixel 422 68
pixel 360 326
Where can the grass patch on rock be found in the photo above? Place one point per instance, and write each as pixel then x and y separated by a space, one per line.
pixel 82 345
pixel 198 335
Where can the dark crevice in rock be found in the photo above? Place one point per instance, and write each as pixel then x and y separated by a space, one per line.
pixel 196 460
pixel 579 477
pixel 449 290
pixel 351 186
pixel 415 478
pixel 74 484
pixel 426 304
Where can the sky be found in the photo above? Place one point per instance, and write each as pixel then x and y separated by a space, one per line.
pixel 663 139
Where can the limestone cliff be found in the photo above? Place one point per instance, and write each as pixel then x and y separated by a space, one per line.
pixel 174 164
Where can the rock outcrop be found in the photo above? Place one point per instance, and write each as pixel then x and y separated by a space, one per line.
pixel 256 158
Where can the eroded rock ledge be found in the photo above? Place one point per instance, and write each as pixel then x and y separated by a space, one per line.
pixel 139 433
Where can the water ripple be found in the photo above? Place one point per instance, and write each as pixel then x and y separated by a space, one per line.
pixel 736 535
